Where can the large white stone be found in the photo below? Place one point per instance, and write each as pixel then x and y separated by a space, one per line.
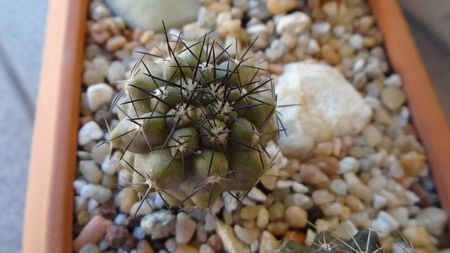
pixel 325 106
pixel 149 14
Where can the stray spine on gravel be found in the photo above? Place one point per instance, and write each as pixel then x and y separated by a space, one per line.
pixel 195 124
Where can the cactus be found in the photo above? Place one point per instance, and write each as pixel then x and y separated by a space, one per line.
pixel 194 124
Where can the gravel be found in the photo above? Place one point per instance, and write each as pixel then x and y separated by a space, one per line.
pixel 376 178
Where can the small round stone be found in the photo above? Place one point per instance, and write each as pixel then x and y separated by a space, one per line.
pixel 125 199
pixel 246 235
pixel 393 97
pixel 263 218
pixel 90 131
pixel 184 228
pixel 90 248
pixel 115 43
pixel 296 216
pixel 98 95
pixel 116 71
pixel 90 170
pixel 158 224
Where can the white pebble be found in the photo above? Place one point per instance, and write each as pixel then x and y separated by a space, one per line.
pixel 356 41
pixel 246 235
pixel 90 131
pixel 295 23
pixel 299 188
pixel 393 80
pixel 321 28
pixel 111 165
pixel 263 218
pixel 98 95
pixel 339 187
pixel 138 233
pixel 158 224
pixel 348 164
pixel 313 47
pixel 120 219
pixel 90 171
pixel 230 202
pixel 205 248
pixel 257 194
pixel 116 71
pixel 378 201
pixel 384 223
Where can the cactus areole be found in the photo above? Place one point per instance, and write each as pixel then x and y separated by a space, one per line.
pixel 195 123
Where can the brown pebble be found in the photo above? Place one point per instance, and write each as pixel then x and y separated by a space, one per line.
pixel 313 175
pixel 109 210
pixel 276 69
pixel 215 243
pixel 93 232
pixel 281 6
pixel 296 236
pixel 330 55
pixel 99 33
pixel 115 43
pixel 219 7
pixel 144 247
pixel 116 236
pixel 146 37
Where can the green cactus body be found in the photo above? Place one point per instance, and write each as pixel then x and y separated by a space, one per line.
pixel 195 124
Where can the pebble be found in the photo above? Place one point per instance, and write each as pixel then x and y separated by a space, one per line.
pixel 246 235
pixel 97 192
pixel 139 233
pixel 116 72
pixel 321 197
pixel 296 217
pixel 372 135
pixel 144 247
pixel 93 232
pixel 89 248
pixel 125 199
pixel 90 170
pixel 205 248
pixel 433 219
pixel 320 28
pixel 393 97
pixel 339 187
pixel 345 230
pixel 356 41
pixel 281 6
pixel 379 201
pixel 186 249
pixel 98 95
pixel 384 223
pixel 418 236
pixel 230 242
pixel 357 188
pixel 115 43
pixel 330 55
pixel 263 218
pixel 117 236
pixel 348 164
pixel 313 175
pixel 268 243
pixel 298 199
pixel 141 209
pixel 294 23
pixel 111 164
pixel 184 228
pixel 250 212
pixel 158 224
pixel 230 203
pixel 100 151
pixel 90 131
pixel 257 194
pixel 215 243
